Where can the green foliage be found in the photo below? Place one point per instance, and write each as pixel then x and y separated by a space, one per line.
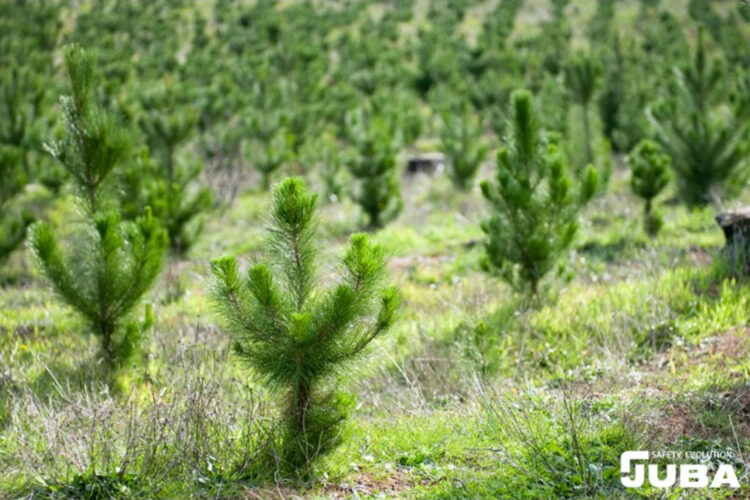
pixel 534 202
pixel 623 96
pixel 167 182
pixel 93 486
pixel 269 143
pixel 704 138
pixel 649 176
pixel 21 94
pixel 374 167
pixel 95 142
pixel 268 157
pixel 461 142
pixel 325 153
pixel 581 79
pixel 14 221
pixel 298 339
pixel 112 264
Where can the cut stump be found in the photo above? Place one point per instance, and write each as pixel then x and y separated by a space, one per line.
pixel 736 227
pixel 428 163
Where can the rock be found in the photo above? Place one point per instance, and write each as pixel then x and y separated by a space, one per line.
pixel 736 227
pixel 428 163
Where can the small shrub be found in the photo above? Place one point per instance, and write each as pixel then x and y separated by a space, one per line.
pixel 534 202
pixel 297 339
pixel 268 157
pixel 14 221
pixel 461 141
pixel 374 167
pixel 705 142
pixel 168 181
pixel 581 79
pixel 650 175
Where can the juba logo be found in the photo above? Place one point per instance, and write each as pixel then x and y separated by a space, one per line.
pixel 691 475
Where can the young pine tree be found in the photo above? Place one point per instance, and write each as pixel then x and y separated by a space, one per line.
pixel 581 79
pixel 461 141
pixel 298 338
pixel 21 96
pixel 374 167
pixel 14 221
pixel 534 202
pixel 111 264
pixel 169 185
pixel 268 157
pixel 650 175
pixel 705 141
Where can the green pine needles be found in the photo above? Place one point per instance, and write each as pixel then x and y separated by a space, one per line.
pixel 168 181
pixel 374 167
pixel 14 220
pixel 650 175
pixel 534 201
pixel 111 264
pixel 461 141
pixel 298 338
pixel 704 137
pixel 581 79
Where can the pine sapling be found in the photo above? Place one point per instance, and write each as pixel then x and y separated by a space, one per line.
pixel 461 141
pixel 374 167
pixel 268 157
pixel 14 221
pixel 581 79
pixel 111 264
pixel 298 338
pixel 705 141
pixel 650 175
pixel 534 201
pixel 169 186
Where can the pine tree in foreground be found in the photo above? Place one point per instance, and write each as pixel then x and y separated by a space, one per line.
pixel 111 264
pixel 706 142
pixel 650 175
pixel 461 141
pixel 294 337
pixel 534 202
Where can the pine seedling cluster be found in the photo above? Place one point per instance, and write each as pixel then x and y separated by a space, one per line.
pixel 461 141
pixel 111 264
pixel 298 338
pixel 374 167
pixel 650 175
pixel 534 201
pixel 706 144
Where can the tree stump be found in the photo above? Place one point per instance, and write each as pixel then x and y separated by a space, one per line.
pixel 427 163
pixel 736 227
